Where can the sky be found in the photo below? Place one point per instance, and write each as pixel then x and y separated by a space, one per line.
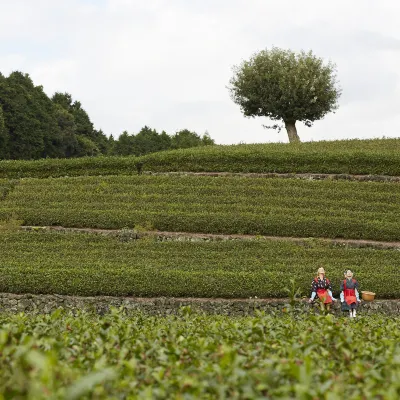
pixel 167 63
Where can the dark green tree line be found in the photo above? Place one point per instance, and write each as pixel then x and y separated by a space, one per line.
pixel 149 141
pixel 34 126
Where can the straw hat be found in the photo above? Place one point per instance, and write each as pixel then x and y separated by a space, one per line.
pixel 321 270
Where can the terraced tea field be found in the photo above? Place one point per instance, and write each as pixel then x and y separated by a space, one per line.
pixel 191 356
pixel 88 264
pixel 363 157
pixel 278 207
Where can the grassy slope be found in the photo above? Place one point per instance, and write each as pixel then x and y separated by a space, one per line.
pixel 379 156
pixel 87 264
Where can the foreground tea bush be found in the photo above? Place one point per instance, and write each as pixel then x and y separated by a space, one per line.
pixel 277 207
pixel 193 356
pixel 83 264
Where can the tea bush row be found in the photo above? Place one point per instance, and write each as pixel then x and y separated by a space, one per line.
pixel 381 157
pixel 193 356
pixel 371 157
pixel 85 166
pixel 229 205
pixel 87 264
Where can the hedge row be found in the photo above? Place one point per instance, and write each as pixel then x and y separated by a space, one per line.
pixel 6 186
pixel 379 157
pixel 193 356
pixel 228 205
pixel 371 157
pixel 86 166
pixel 84 264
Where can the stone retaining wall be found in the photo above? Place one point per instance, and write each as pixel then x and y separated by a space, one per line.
pixel 47 303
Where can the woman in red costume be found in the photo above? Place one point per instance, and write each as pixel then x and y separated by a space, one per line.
pixel 349 294
pixel 322 289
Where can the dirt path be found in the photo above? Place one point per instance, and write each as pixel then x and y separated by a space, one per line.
pixel 306 176
pixel 204 236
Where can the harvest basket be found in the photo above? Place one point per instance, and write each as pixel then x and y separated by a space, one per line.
pixel 367 296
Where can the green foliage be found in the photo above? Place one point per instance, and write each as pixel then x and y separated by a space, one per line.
pixel 285 86
pixel 90 265
pixel 150 141
pixel 80 137
pixel 28 117
pixel 86 147
pixel 369 157
pixel 378 156
pixel 84 166
pixel 123 146
pixel 185 139
pixel 10 225
pixel 33 126
pixel 194 356
pixel 4 137
pixel 277 207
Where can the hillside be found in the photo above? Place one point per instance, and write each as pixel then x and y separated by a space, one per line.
pixel 62 192
pixel 364 157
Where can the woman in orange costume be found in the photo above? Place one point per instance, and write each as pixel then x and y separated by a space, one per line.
pixel 321 287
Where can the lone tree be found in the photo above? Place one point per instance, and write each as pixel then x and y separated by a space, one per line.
pixel 285 86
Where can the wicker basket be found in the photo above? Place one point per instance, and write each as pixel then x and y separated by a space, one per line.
pixel 367 296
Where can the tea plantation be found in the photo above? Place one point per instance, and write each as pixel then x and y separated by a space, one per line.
pixel 114 199
pixel 88 264
pixel 192 356
pixel 291 224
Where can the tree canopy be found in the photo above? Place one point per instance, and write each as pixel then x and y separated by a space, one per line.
pixel 149 141
pixel 285 86
pixel 33 126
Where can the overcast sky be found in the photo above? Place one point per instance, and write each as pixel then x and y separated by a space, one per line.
pixel 166 63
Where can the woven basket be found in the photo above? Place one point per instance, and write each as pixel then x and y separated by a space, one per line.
pixel 367 296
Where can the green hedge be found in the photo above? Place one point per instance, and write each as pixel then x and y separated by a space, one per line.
pixel 87 264
pixel 86 166
pixel 371 157
pixel 192 356
pixel 379 156
pixel 230 205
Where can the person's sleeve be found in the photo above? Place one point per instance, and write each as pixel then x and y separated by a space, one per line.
pixel 341 292
pixel 329 285
pixel 313 287
pixel 313 294
pixel 330 294
pixel 356 290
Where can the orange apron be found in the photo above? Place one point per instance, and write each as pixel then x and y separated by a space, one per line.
pixel 349 294
pixel 323 295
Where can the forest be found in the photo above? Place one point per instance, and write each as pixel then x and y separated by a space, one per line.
pixel 34 126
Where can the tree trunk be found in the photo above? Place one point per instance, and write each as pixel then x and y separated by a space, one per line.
pixel 292 131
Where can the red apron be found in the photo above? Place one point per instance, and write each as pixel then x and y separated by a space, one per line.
pixel 349 294
pixel 323 295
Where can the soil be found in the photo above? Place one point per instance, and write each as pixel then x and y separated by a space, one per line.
pixel 205 236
